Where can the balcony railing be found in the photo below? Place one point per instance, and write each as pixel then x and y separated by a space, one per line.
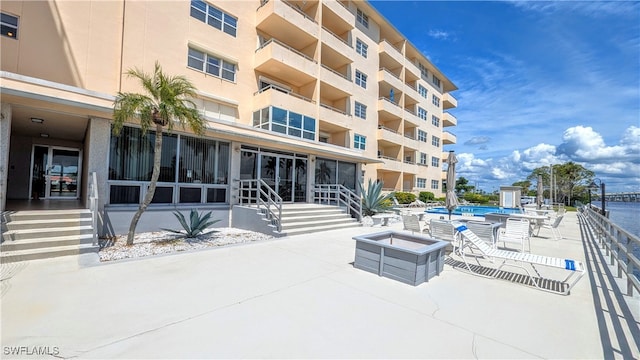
pixel 387 158
pixel 276 41
pixel 338 37
pixel 336 72
pixel 334 109
pixel 389 100
pixel 387 129
pixel 390 72
pixel 283 90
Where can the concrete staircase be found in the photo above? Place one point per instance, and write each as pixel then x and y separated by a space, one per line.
pixel 309 218
pixel 40 234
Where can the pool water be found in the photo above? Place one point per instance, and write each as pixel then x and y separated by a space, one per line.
pixel 475 210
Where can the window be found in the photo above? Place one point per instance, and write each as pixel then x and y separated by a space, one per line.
pixel 422 113
pixel 361 48
pixel 361 79
pixel 436 81
pixel 421 183
pixel 435 141
pixel 423 71
pixel 213 16
pixel 423 159
pixel 422 136
pixel 434 184
pixel 361 110
pixel 359 141
pixel 435 162
pixel 285 122
pixel 435 121
pixel 423 91
pixel 211 65
pixel 435 100
pixel 362 18
pixel 9 25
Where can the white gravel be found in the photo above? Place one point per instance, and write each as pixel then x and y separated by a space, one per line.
pixel 163 242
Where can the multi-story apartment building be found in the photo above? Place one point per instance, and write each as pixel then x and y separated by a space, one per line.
pixel 296 93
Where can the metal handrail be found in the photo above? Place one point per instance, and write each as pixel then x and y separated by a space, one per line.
pixel 337 37
pixel 336 72
pixel 299 11
pixel 618 245
pixel 93 206
pixel 334 109
pixel 391 73
pixel 382 127
pixel 339 195
pixel 387 158
pixel 260 193
pixel 276 41
pixel 387 99
pixel 285 91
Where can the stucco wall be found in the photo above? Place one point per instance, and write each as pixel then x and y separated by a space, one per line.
pixel 117 220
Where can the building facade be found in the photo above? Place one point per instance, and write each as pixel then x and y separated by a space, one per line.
pixel 295 93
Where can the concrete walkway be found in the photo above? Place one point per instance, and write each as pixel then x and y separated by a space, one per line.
pixel 300 297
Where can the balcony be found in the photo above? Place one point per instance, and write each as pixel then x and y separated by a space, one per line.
pixel 412 68
pixel 448 138
pixel 391 53
pixel 411 143
pixel 391 109
pixel 337 43
pixel 410 167
pixel 449 120
pixel 390 78
pixel 388 137
pixel 330 133
pixel 448 101
pixel 412 118
pixel 389 164
pixel 338 13
pixel 276 96
pixel 284 62
pixel 278 17
pixel 335 116
pixel 411 92
pixel 342 85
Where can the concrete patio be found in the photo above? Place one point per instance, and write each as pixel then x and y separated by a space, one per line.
pixel 301 297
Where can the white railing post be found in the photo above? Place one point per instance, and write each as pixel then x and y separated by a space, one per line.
pixel 93 206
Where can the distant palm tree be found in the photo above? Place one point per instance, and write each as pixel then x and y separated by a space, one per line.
pixel 167 101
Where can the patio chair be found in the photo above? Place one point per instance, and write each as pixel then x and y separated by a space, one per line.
pixel 526 262
pixel 413 224
pixel 516 231
pixel 444 230
pixel 555 232
pixel 484 230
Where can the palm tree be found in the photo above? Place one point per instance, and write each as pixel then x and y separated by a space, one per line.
pixel 166 101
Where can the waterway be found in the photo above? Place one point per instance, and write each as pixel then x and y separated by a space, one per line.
pixel 625 214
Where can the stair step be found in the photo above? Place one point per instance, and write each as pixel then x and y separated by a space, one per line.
pixel 313 229
pixel 36 243
pixel 310 224
pixel 314 218
pixel 45 253
pixel 46 223
pixel 46 214
pixel 40 232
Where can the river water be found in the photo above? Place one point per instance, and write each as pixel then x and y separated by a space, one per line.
pixel 625 214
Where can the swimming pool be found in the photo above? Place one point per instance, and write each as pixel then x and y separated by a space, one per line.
pixel 475 210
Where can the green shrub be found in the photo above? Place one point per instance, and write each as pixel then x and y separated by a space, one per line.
pixel 373 201
pixel 405 197
pixel 196 226
pixel 426 196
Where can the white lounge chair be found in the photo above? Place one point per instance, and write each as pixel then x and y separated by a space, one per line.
pixel 516 231
pixel 484 230
pixel 413 224
pixel 471 242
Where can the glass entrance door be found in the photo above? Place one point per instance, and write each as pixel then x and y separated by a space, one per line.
pixel 55 172
pixel 277 172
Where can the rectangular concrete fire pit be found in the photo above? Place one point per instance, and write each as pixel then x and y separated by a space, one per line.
pixel 412 259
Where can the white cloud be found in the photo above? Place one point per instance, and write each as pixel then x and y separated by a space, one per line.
pixel 439 34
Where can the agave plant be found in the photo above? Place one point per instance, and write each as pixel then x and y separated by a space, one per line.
pixel 196 226
pixel 373 201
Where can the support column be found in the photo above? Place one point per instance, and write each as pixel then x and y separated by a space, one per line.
pixel 96 150
pixel 5 140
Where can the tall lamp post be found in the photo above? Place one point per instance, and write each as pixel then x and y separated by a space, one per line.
pixel 595 184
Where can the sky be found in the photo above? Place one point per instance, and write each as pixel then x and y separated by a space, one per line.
pixel 539 83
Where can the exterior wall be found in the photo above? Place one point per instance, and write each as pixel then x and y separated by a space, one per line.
pixel 116 221
pixel 88 47
pixel 247 218
pixel 5 136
